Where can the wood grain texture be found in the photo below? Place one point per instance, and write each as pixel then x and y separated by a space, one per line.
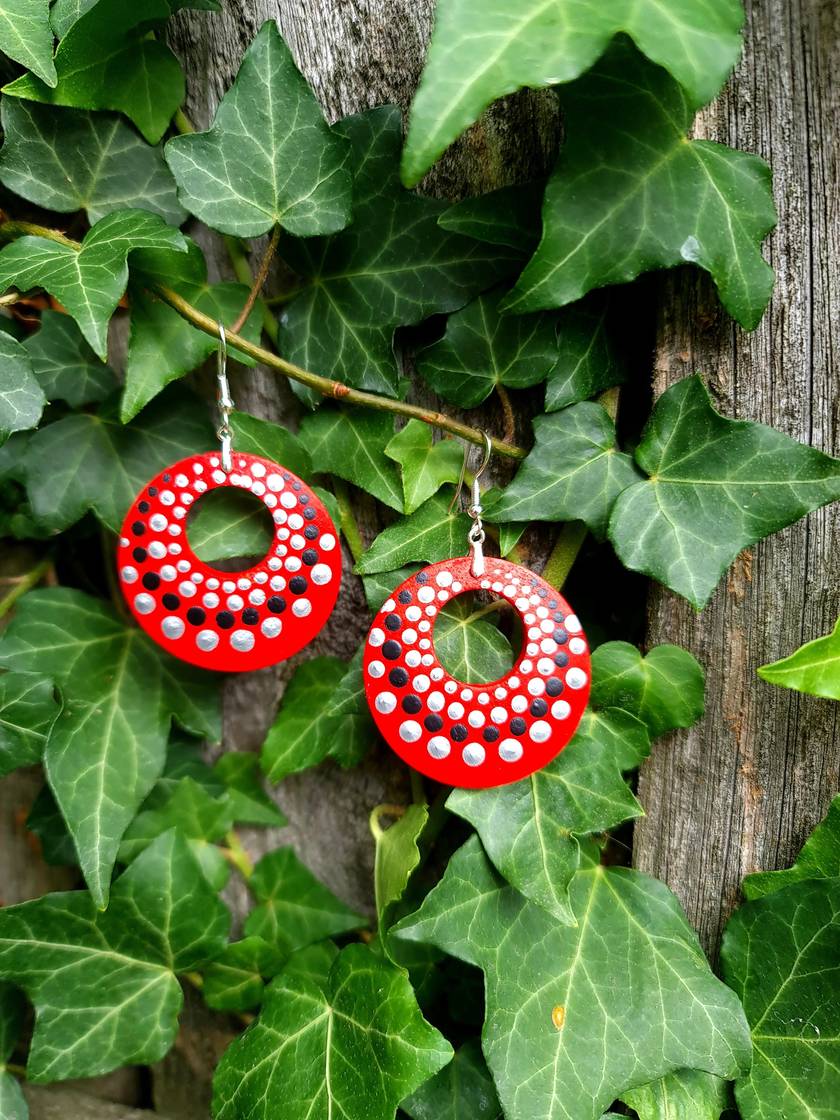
pixel 742 790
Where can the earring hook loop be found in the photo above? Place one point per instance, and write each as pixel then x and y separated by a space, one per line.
pixel 476 535
pixel 224 432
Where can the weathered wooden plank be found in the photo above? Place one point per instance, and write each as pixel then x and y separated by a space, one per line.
pixel 742 790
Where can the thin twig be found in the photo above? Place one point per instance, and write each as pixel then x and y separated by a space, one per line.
pixel 24 583
pixel 507 409
pixel 236 855
pixel 259 280
pixel 349 525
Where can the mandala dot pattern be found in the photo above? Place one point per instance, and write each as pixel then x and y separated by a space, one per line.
pixel 476 735
pixel 229 621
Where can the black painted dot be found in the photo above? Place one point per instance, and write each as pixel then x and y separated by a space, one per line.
pixel 144 507
pixel 553 686
pixel 304 499
pixel 433 723
pixel 151 581
pixel 309 556
pixel 171 601
pixel 552 604
pixel 297 585
pixel 196 616
pixel 250 616
pixel 311 532
pixel 309 513
pixel 404 596
pixel 539 707
pixel 297 485
pixel 287 476
pixel 167 478
pixel 517 725
pixel 541 591
pixel 391 650
pixel 491 734
pixel 458 732
pixel 139 555
pixel 560 636
pixel 561 659
pixel 558 616
pixel 398 678
pixel 138 528
pixel 276 604
pixel 153 491
pixel 422 577
pixel 412 704
pixel 225 619
pixel 393 622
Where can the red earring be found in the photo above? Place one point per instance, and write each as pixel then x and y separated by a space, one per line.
pixel 476 735
pixel 242 620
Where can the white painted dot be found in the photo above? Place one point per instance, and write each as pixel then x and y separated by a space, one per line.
pixel 443 595
pixel 243 583
pixel 258 470
pixel 421 683
pixel 298 542
pixel 288 500
pixel 168 573
pixel 521 604
pixel 483 698
pixel 376 637
pixel 473 754
pixel 275 482
pixel 219 476
pixel 540 731
pixel 129 574
pixel 210 600
pixel 437 673
pixel 466 694
pixel 181 480
pixel 413 614
pixel 174 531
pixel 235 602
pixel 413 658
pixel 510 750
pixel 143 603
pixel 410 731
pixel 258 488
pixel 327 542
pixel 577 645
pixel 158 522
pixel 301 608
pixel 207 640
pixel 545 666
pixel 183 565
pixel 548 645
pixel 385 703
pixel 572 624
pixel 293 563
pixel 261 577
pixel 475 719
pixel 576 678
pixel 376 669
pixel 186 588
pixel 455 710
pixel 228 586
pixel 198 468
pixel 536 686
pixel 278 583
pixel 443 579
pixel 270 500
pixel 428 659
pixel 519 704
pixel 438 747
pixel 200 486
pixel 426 594
pixel 166 498
pixel 532 649
pixel 526 666
pixel 450 686
pixel 435 701
pixel 172 626
pixel 561 709
pixel 514 682
pixel 257 597
pixel 424 627
pixel 213 584
pixel 242 640
pixel 547 626
pixel 197 577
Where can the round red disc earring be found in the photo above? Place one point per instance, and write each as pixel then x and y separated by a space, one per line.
pixel 476 735
pixel 229 621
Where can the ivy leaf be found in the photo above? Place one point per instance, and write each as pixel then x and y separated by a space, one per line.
pixel 549 43
pixel 66 161
pixel 21 397
pixel 574 472
pixel 270 158
pixel 294 908
pixel 67 12
pixel 107 60
pixel 507 216
pixel 103 981
pixel 588 359
pixel 717 486
pixel 354 1047
pixel 63 363
pixel 272 441
pixel 393 267
pixel 472 649
pixel 46 822
pixel 530 829
pixel 425 466
pixel 688 1094
pixel 88 461
pixel 348 715
pixel 561 1001
pixel 674 201
pixel 462 1089
pixel 431 533
pixel 351 444
pixel 620 734
pixel 665 689
pixel 295 741
pixel 88 281
pixel 248 801
pixel 12 1014
pixel 234 981
pixel 482 349
pixel 163 346
pixel 28 708
pixel 26 36
pixel 397 856
pixel 813 668
pixel 381 586
pixel 819 859
pixel 107 747
pixel 781 954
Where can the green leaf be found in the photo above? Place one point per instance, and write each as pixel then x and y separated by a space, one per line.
pixel 107 60
pixel 621 733
pixel 351 444
pixel 88 461
pixel 46 822
pixel 272 441
pixel 425 466
pixel 21 397
pixel 813 668
pixel 88 281
pixel 781 954
pixel 589 360
pixel 562 1001
pixel 196 814
pixel 12 1012
pixel 664 690
pixel 64 365
pixel 381 586
pixel 120 691
pixel 28 708
pixel 482 349
pixel 248 801
pixel 67 12
pixel 26 36
pixel 353 1048
pixel 507 216
pixel 103 981
pixel 716 487
pixel 463 1090
pixel 234 981
pixel 688 1094
pixel 672 201
pixel 65 160
pixel 348 717
pixel 431 533
pixel 470 647
pixel 530 829
pixel 270 158
pixel 819 859
pixel 294 908
pixel 397 856
pixel 296 741
pixel 394 266
pixel 228 524
pixel 312 963
pixel 574 472
pixel 484 49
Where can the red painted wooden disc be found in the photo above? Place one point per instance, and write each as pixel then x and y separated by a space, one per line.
pixel 230 621
pixel 476 735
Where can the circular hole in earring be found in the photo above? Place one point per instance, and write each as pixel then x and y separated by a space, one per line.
pixel 477 637
pixel 229 529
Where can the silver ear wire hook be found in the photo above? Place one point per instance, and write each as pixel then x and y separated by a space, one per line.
pixel 476 535
pixel 225 400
